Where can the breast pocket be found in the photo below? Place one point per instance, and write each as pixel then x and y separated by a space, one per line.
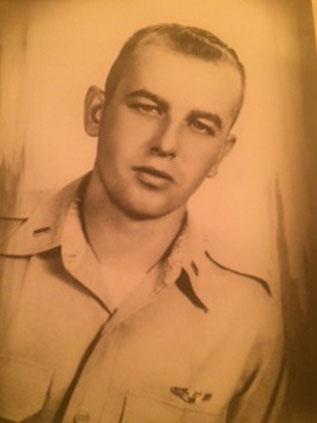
pixel 146 409
pixel 23 388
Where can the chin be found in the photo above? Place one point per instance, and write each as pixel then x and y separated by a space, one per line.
pixel 145 209
pixel 147 213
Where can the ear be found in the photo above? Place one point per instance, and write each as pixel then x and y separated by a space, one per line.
pixel 227 147
pixel 94 102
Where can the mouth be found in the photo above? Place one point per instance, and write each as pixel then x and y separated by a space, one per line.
pixel 154 172
pixel 153 177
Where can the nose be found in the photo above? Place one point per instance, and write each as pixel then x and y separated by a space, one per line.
pixel 165 143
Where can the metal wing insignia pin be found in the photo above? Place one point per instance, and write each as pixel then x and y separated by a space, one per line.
pixel 190 396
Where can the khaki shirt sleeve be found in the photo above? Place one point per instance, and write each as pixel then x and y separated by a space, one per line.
pixel 261 398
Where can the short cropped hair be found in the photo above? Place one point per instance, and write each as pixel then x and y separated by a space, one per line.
pixel 185 39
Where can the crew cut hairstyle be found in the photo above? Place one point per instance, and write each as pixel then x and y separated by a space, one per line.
pixel 185 39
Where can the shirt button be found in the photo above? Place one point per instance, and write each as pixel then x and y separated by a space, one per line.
pixel 81 417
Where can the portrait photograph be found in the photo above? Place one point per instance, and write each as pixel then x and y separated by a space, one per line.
pixel 158 201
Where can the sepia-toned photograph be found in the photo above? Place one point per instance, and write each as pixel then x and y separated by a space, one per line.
pixel 158 202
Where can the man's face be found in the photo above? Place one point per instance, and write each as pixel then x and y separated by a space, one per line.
pixel 164 129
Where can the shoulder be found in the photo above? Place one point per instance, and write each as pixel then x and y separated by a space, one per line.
pixel 246 308
pixel 206 252
pixel 24 216
pixel 238 276
pixel 16 208
pixel 19 204
pixel 220 275
pixel 236 296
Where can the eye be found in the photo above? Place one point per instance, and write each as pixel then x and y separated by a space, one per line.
pixel 201 127
pixel 148 109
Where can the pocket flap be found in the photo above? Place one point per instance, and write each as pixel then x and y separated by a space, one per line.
pixel 23 388
pixel 146 409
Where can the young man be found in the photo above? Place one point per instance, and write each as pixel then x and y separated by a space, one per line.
pixel 114 309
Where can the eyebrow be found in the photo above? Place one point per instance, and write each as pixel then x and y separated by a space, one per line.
pixel 151 96
pixel 196 114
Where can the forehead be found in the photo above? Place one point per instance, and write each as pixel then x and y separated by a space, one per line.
pixel 182 79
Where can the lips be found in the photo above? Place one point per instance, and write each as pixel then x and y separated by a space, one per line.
pixel 153 177
pixel 155 172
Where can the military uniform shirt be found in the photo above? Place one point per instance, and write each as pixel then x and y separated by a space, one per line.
pixel 198 343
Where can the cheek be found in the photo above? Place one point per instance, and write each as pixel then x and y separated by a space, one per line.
pixel 127 128
pixel 201 156
pixel 113 139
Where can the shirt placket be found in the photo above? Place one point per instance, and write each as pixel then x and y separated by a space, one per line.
pixel 92 391
pixel 90 395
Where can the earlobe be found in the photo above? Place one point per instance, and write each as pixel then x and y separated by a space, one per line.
pixel 213 172
pixel 229 143
pixel 94 102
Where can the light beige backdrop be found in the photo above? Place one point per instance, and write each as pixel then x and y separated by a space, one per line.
pixel 53 50
pixel 260 211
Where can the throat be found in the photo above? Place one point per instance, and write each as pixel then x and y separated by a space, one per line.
pixel 122 282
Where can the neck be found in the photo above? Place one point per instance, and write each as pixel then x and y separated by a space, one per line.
pixel 120 240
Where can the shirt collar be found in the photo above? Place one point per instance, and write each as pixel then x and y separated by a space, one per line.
pixel 51 221
pixel 42 229
pixel 188 263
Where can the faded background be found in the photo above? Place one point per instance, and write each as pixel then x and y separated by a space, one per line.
pixel 259 210
pixel 53 50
